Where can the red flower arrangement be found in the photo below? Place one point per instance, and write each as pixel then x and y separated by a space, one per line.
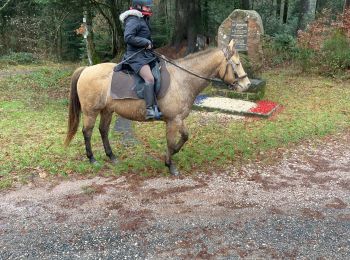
pixel 264 107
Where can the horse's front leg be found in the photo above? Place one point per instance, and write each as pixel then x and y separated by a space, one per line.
pixel 173 127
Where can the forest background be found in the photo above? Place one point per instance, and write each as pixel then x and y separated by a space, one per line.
pixel 302 31
pixel 42 43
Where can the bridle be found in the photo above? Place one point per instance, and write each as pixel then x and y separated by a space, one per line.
pixel 228 55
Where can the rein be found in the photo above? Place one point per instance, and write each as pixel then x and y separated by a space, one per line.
pixel 227 55
pixel 214 80
pixel 129 58
pixel 171 62
pixel 182 68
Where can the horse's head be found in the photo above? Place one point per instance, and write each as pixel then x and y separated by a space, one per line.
pixel 231 70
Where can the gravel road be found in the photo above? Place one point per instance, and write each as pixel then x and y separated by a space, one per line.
pixel 294 208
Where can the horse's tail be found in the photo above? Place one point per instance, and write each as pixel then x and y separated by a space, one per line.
pixel 74 107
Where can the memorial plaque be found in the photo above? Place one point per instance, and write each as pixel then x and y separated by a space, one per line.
pixel 246 29
pixel 240 35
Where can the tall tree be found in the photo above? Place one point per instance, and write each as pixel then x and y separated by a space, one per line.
pixel 274 5
pixel 245 4
pixel 283 2
pixel 346 4
pixel 188 23
pixel 284 11
pixel 110 10
pixel 307 12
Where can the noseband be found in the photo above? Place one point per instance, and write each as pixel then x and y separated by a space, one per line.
pixel 235 84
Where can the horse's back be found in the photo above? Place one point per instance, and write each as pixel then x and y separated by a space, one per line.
pixel 97 72
pixel 94 85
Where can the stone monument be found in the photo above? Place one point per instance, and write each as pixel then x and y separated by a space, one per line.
pixel 246 28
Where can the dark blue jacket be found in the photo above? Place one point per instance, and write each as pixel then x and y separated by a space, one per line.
pixel 137 35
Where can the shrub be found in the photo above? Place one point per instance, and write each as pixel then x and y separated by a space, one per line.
pixel 335 54
pixel 16 58
pixel 325 45
pixel 305 58
pixel 279 49
pixel 284 42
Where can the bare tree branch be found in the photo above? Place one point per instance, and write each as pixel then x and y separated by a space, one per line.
pixel 4 6
pixel 109 21
pixel 99 3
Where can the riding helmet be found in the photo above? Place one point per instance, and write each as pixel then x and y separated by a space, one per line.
pixel 142 3
pixel 137 3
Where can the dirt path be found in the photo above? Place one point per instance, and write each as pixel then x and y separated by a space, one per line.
pixel 296 208
pixel 15 72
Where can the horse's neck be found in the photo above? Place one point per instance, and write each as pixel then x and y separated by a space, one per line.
pixel 205 65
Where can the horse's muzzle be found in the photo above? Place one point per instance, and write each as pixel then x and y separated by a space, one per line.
pixel 238 87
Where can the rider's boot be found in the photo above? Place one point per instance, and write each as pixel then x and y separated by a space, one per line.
pixel 149 99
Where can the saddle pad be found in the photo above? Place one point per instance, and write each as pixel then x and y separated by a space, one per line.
pixel 123 84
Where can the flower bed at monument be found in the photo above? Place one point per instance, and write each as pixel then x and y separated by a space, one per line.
pixel 261 108
pixel 264 107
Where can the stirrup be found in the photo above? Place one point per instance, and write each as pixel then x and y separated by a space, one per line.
pixel 150 114
pixel 158 114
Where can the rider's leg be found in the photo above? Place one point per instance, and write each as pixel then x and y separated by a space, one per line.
pixel 147 76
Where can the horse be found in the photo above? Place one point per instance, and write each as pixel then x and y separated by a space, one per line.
pixel 90 95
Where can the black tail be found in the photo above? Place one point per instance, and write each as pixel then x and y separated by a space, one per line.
pixel 74 107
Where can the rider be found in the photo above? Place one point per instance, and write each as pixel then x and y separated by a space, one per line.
pixel 137 35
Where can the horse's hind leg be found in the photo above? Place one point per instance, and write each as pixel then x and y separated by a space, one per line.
pixel 173 127
pixel 106 118
pixel 88 126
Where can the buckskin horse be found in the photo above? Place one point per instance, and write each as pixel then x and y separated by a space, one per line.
pixel 90 95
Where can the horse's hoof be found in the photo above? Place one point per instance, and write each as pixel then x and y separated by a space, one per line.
pixel 114 161
pixel 174 171
pixel 94 162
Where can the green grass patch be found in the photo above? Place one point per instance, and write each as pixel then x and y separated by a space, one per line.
pixel 33 112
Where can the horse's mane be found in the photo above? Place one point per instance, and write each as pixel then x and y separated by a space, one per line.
pixel 196 55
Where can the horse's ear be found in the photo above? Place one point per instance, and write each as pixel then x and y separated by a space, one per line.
pixel 231 46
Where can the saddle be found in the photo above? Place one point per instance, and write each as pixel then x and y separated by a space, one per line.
pixel 126 84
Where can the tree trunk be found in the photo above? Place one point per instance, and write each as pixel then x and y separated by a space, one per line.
pixel 118 39
pixel 282 10
pixel 181 21
pixel 274 9
pixel 205 16
pixel 346 4
pixel 4 41
pixel 110 10
pixel 289 9
pixel 245 4
pixel 87 39
pixel 187 23
pixel 286 11
pixel 193 25
pixel 307 13
pixel 90 36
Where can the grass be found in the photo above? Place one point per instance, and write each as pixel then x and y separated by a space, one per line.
pixel 33 112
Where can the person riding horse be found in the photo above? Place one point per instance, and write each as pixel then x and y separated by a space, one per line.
pixel 137 36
